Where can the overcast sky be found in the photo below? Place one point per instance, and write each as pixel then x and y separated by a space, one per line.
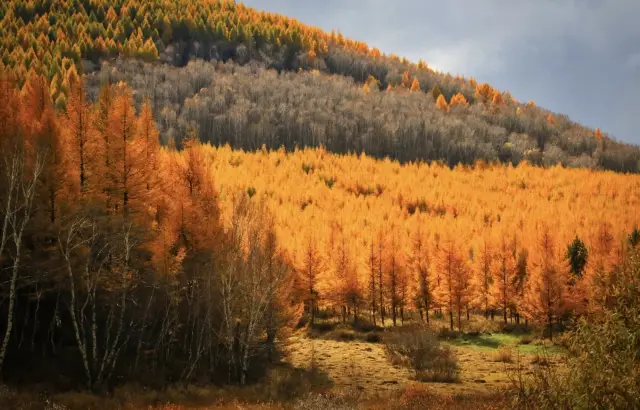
pixel 577 57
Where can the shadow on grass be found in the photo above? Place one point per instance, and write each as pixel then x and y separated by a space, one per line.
pixel 283 385
pixel 482 341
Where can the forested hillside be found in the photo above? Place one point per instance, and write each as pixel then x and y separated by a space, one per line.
pixel 192 189
pixel 353 98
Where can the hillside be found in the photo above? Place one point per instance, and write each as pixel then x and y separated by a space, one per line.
pixel 206 206
pixel 52 37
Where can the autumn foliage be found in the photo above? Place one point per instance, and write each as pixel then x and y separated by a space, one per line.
pixel 128 236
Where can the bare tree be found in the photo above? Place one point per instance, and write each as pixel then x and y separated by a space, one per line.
pixel 21 174
pixel 98 264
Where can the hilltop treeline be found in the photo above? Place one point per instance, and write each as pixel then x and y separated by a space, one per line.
pixel 61 39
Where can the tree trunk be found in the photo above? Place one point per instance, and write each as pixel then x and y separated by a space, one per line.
pixel 10 310
pixel 504 312
pixel 451 319
pixel 313 311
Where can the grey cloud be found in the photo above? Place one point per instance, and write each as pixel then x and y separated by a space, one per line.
pixel 578 57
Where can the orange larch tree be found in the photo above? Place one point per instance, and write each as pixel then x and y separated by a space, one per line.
pixel 80 139
pixel 441 103
pixel 420 265
pixel 483 278
pixel 504 267
pixel 545 298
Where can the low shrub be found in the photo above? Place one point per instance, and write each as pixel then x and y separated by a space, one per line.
pixel 373 337
pixel 504 354
pixel 540 360
pixel 364 325
pixel 420 350
pixel 447 334
pixel 526 340
pixel 515 328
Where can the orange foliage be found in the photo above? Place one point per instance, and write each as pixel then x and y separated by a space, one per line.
pixel 441 103
pixel 458 99
pixel 551 120
pixel 598 134
pixel 385 206
pixel 415 85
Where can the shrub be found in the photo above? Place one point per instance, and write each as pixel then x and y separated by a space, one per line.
pixel 526 340
pixel 515 328
pixel 373 337
pixel 446 334
pixel 504 354
pixel 364 325
pixel 540 360
pixel 603 364
pixel 420 350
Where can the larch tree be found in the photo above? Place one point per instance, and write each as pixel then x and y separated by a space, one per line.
pixel 123 177
pixel 441 103
pixel 545 299
pixel 462 288
pixel 380 251
pixel 80 138
pixel 371 264
pixel 310 272
pixel 449 264
pixel 504 270
pixel 394 275
pixel 415 85
pixel 483 278
pixel 420 265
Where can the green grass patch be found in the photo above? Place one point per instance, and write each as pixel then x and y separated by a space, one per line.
pixel 488 343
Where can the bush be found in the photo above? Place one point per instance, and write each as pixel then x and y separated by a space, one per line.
pixel 446 334
pixel 420 350
pixel 515 328
pixel 603 364
pixel 373 337
pixel 526 340
pixel 364 325
pixel 504 354
pixel 540 360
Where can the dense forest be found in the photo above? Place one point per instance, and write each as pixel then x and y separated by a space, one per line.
pixel 183 184
pixel 194 263
pixel 403 110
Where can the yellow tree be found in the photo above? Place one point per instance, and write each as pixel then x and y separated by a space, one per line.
pixel 372 265
pixel 497 99
pixel 441 103
pixel 450 264
pixel 415 85
pixel 79 137
pixel 545 297
pixel 123 178
pixel 483 277
pixel 458 99
pixel 504 291
pixel 420 261
pixel 310 272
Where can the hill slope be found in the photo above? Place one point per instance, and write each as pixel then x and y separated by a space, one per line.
pixel 59 38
